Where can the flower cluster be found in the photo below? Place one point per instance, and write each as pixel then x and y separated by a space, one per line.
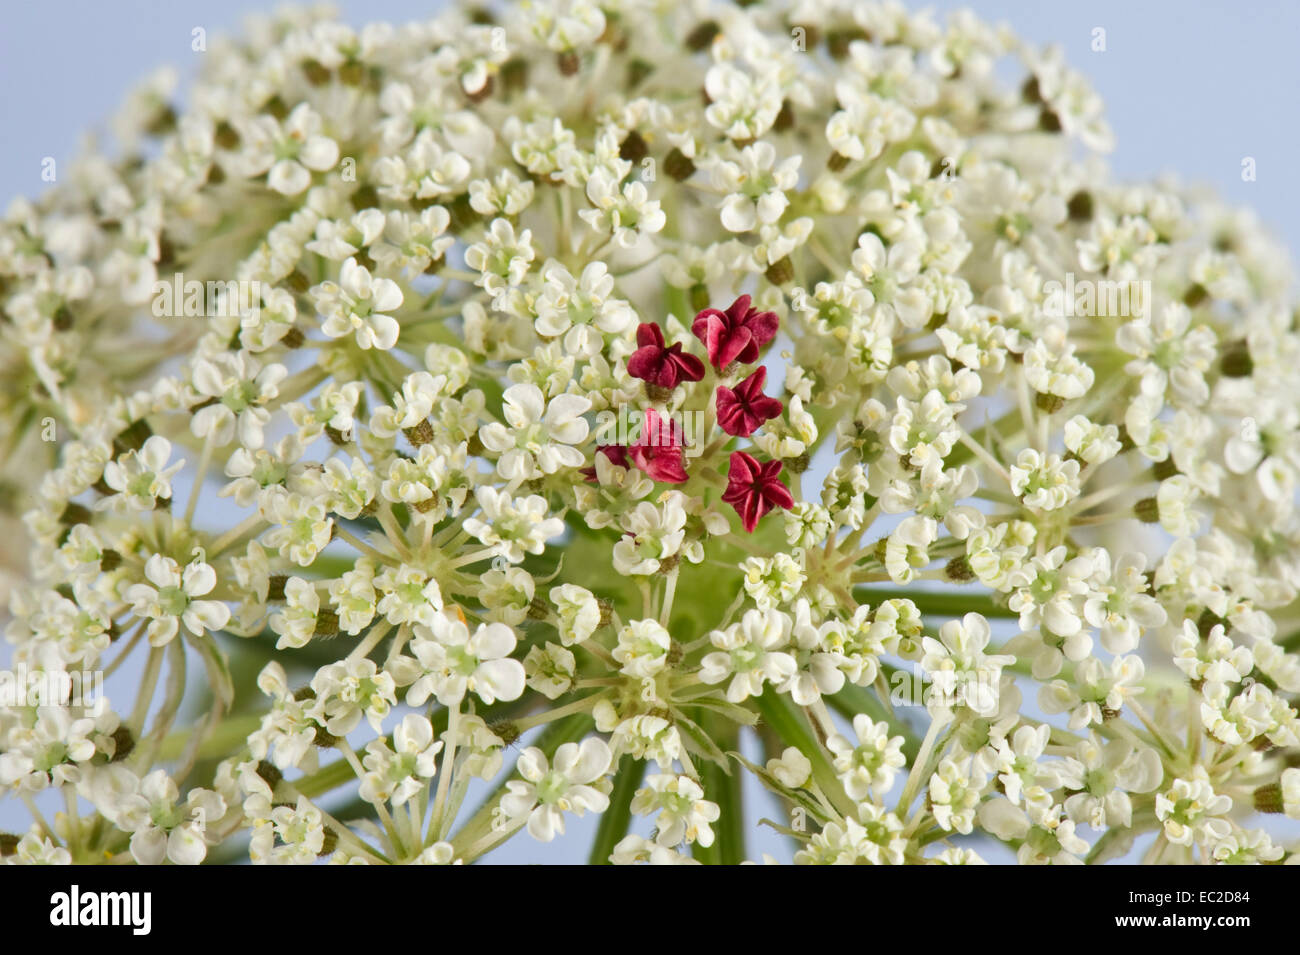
pixel 984 574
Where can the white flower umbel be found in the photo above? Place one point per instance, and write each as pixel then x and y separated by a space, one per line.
pixel 567 401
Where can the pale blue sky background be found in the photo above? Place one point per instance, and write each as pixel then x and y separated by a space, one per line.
pixel 1190 87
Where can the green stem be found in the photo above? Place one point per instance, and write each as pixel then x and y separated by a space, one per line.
pixel 614 822
pixel 729 834
pixel 794 731
pixel 934 603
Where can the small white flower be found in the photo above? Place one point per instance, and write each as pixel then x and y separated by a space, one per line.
pixel 168 600
pixel 450 662
pixel 501 258
pixel 955 791
pixel 513 526
pixel 347 691
pixel 757 186
pixel 580 309
pixel 288 152
pixel 359 304
pixel 962 672
pixel 626 212
pixel 1212 659
pixel 538 436
pixel 871 765
pixel 397 774
pixel 792 769
pixel 1192 811
pixel 161 829
pixel 752 653
pixel 642 650
pixel 141 478
pixel 1044 483
pixel 550 670
pixel 684 815
pixel 651 535
pixel 578 611
pixel 240 388
pixel 574 782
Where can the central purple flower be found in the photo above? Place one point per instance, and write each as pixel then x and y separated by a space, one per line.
pixel 736 334
pixel 742 410
pixel 657 452
pixel 753 488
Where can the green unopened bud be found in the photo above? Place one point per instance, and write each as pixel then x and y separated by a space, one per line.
pixel 74 514
pixel 657 393
pixel 678 165
pixel 1147 510
pixel 569 62
pixel 1207 621
pixel 269 773
pixel 1080 207
pixel 317 74
pixel 633 148
pixel 420 434
pixel 1236 361
pixel 1163 470
pixel 1269 798
pixel 134 437
pixel 226 136
pixel 606 610
pixel 507 730
pixel 277 108
pixel 327 624
pixel 514 75
pixel 838 41
pixel 958 570
pixel 699 297
pixel 1048 402
pixel 275 587
pixel 780 272
pixel 784 119
pixel 539 609
pixel 702 35
pixel 123 744
pixel 352 73
pixel 329 843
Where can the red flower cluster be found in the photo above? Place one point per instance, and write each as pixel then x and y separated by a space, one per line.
pixel 735 335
